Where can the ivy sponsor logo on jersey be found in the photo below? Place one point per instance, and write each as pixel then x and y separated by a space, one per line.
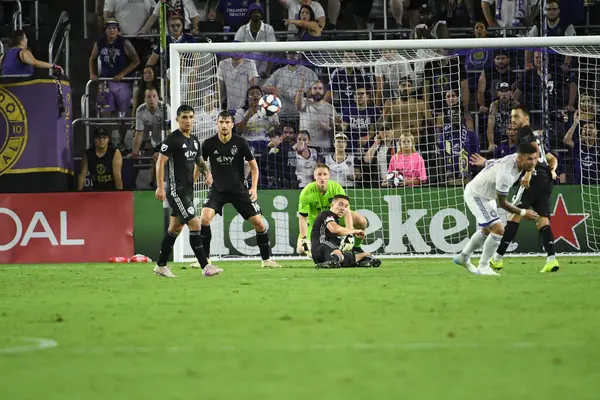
pixel 14 141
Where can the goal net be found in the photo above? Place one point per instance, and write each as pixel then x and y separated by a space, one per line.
pixel 395 122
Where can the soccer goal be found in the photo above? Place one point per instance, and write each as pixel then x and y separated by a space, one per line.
pixel 396 122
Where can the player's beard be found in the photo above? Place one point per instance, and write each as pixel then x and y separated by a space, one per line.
pixel 317 96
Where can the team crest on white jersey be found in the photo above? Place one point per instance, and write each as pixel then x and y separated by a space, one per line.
pixel 234 150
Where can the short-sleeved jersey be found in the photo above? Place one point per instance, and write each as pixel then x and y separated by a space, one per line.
pixel 184 153
pixel 342 172
pixel 227 162
pixel 496 178
pixel 527 135
pixel 312 201
pixel 320 234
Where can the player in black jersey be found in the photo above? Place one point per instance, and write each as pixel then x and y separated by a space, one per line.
pixel 180 155
pixel 535 192
pixel 226 154
pixel 325 238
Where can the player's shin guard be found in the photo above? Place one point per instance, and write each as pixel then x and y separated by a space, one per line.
pixel 510 232
pixel 548 241
pixel 262 240
pixel 166 246
pixel 206 235
pixel 198 248
pixel 474 244
pixel 489 247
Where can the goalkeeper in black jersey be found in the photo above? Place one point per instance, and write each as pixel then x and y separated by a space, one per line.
pixel 535 192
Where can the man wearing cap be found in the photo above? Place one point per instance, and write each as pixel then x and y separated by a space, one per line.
pixel 118 59
pixel 285 82
pixel 104 162
pixel 430 27
pixel 499 116
pixel 257 31
pixel 491 77
pixel 340 163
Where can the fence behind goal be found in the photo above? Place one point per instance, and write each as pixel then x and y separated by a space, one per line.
pixel 396 122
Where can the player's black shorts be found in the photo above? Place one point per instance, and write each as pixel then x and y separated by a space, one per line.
pixel 240 201
pixel 539 193
pixel 182 205
pixel 321 252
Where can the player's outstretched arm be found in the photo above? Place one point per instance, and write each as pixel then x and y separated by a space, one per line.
pixel 160 176
pixel 342 231
pixel 505 204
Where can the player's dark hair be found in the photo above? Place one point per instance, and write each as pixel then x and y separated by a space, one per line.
pixel 526 148
pixel 184 108
pixel 523 109
pixel 322 165
pixel 340 196
pixel 225 115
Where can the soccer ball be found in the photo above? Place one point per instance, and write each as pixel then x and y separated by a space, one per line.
pixel 269 105
pixel 394 179
pixel 347 243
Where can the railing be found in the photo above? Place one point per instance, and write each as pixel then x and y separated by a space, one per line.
pixel 63 24
pixel 17 17
pixel 100 122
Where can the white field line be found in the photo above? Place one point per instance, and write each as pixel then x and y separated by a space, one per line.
pixel 33 344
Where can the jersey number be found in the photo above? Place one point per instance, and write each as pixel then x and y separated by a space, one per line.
pixel 256 206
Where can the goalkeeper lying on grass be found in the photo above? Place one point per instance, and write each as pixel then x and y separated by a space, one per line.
pixel 326 242
pixel 315 198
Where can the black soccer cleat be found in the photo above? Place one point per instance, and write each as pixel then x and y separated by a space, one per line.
pixel 369 262
pixel 329 264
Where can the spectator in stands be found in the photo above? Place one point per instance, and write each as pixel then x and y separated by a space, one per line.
pixel 104 162
pixel 510 13
pixel 477 60
pixel 293 7
pixel 306 159
pixel 360 120
pixel 131 16
pixel 19 61
pixel 582 138
pixel 407 114
pixel 149 128
pixel 345 81
pixel 499 116
pixel 490 78
pixel 431 26
pixel 233 13
pixel 205 119
pixel 408 162
pixel 560 91
pixel 377 158
pixel 257 129
pixel 285 82
pixel 278 162
pixel 235 76
pixel 184 9
pixel 316 115
pixel 149 81
pixel 342 164
pixel 509 147
pixel 257 31
pixel 118 59
pixel 554 27
pixel 441 76
pixel 307 25
pixel 587 108
pixel 389 68
pixel 176 35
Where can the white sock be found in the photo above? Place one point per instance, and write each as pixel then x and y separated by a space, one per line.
pixel 550 258
pixel 489 247
pixel 474 244
pixel 497 257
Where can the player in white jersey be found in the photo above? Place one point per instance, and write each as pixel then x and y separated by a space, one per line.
pixel 483 195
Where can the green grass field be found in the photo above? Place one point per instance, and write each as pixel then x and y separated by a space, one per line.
pixel 412 329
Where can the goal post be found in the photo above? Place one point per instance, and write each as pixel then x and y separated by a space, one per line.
pixel 424 218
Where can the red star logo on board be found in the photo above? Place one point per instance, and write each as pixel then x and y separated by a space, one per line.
pixel 564 223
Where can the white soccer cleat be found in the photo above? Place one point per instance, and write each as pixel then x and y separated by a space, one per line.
pixel 211 270
pixel 458 259
pixel 270 263
pixel 486 270
pixel 163 272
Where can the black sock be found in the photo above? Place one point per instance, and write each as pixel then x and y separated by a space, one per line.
pixel 262 239
pixel 548 240
pixel 206 235
pixel 510 232
pixel 198 248
pixel 335 257
pixel 166 246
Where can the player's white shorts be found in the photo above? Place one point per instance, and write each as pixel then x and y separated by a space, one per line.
pixel 485 211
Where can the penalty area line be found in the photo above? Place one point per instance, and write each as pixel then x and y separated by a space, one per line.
pixel 33 344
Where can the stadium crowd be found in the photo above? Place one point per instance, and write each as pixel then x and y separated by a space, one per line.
pixel 419 115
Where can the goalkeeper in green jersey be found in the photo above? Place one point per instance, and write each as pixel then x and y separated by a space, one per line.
pixel 315 198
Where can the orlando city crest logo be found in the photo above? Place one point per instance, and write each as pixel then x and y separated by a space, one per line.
pixel 14 138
